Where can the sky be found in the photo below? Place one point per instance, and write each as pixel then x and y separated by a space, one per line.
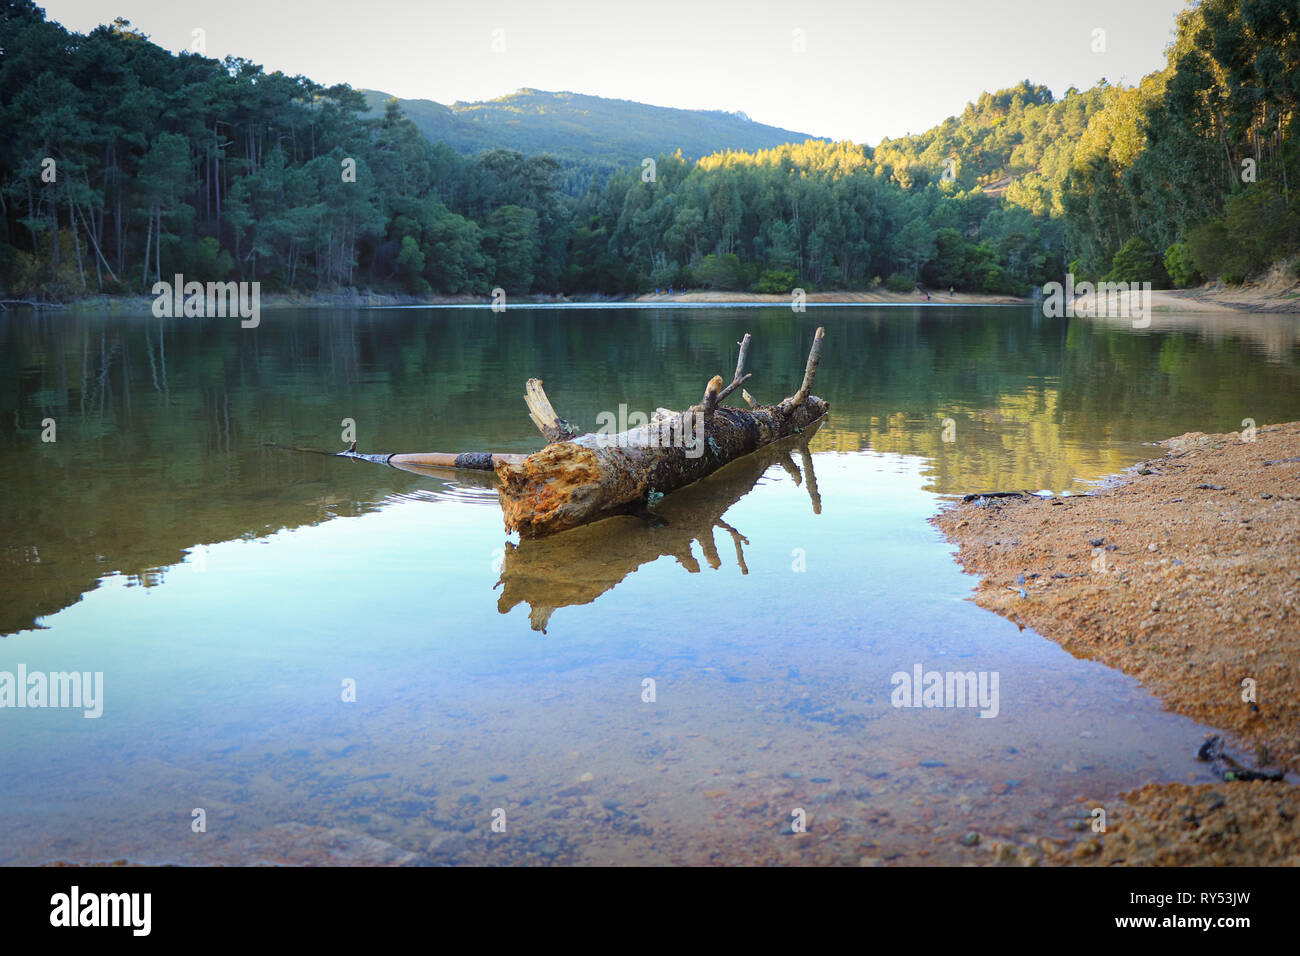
pixel 847 70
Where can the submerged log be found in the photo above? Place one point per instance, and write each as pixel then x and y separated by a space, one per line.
pixel 575 480
pixel 472 460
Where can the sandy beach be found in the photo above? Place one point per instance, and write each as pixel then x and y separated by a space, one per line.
pixel 1249 299
pixel 1182 573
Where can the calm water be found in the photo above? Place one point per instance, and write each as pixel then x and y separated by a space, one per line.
pixel 227 586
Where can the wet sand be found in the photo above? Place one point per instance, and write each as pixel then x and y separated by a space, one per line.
pixel 1186 574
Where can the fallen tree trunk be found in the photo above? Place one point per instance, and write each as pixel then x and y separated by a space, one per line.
pixel 575 480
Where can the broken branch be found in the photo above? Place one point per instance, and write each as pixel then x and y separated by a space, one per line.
pixel 552 426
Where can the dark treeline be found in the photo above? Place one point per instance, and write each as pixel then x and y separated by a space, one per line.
pixel 122 163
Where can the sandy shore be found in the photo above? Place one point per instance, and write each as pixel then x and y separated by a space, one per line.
pixel 1186 574
pixel 143 304
pixel 1268 297
pixel 876 297
pixel 1247 299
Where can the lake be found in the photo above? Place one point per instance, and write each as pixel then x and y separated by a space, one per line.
pixel 337 661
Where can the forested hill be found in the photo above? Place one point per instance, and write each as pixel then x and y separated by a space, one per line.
pixel 123 163
pixel 591 130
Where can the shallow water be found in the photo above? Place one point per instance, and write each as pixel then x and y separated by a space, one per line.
pixel 227 587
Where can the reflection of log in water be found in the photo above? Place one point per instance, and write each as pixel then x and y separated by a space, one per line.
pixel 582 564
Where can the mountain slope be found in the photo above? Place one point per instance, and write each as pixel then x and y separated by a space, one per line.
pixel 588 129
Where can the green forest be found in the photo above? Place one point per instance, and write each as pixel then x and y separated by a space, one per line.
pixel 123 163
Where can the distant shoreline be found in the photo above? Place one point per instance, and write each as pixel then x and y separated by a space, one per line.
pixel 1204 299
pixel 1243 299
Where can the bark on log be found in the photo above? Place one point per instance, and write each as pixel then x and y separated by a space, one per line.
pixel 577 480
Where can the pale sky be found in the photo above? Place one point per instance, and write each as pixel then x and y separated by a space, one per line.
pixel 869 69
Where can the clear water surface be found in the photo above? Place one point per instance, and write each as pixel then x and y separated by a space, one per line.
pixel 228 587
